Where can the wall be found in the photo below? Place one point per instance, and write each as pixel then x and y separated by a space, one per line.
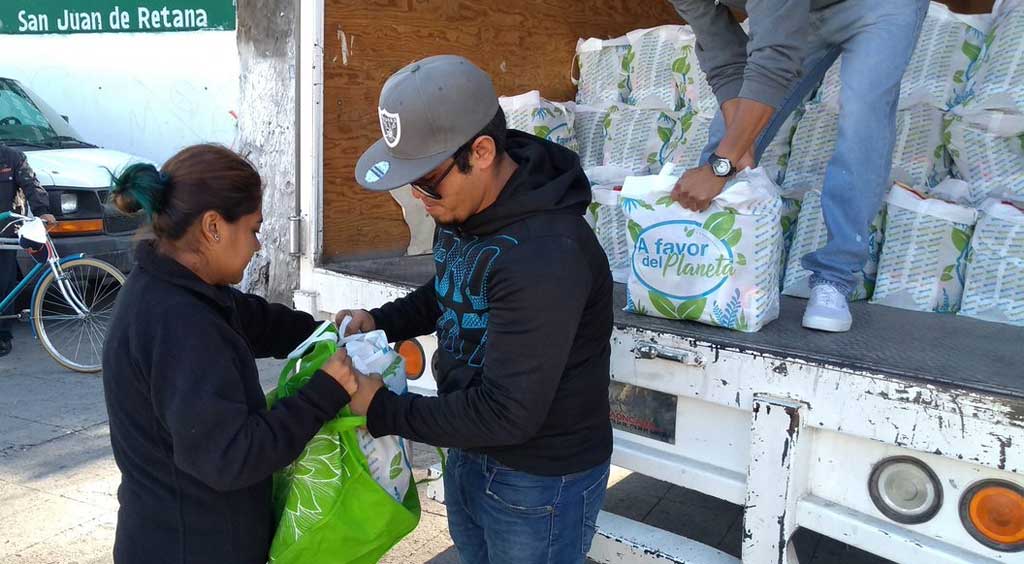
pixel 266 135
pixel 148 94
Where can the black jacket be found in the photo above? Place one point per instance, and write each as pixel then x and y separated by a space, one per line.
pixel 15 174
pixel 522 306
pixel 189 426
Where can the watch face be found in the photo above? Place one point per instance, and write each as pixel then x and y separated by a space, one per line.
pixel 721 167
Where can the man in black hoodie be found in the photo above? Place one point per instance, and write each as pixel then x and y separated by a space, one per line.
pixel 522 307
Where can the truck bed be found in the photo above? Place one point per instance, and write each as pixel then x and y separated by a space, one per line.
pixel 931 348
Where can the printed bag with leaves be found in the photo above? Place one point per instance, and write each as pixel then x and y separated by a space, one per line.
pixel 348 498
pixel 720 266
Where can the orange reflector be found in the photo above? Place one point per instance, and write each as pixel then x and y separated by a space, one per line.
pixel 415 358
pixel 78 227
pixel 997 512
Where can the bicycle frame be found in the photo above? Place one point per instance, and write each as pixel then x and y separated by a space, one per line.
pixel 53 263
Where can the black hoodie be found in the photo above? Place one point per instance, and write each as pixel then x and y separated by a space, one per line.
pixel 522 307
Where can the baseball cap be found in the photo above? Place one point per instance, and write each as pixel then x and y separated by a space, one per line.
pixel 427 111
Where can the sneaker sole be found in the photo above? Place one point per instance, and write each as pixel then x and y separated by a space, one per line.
pixel 827 324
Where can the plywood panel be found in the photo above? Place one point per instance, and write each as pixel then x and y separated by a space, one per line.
pixel 522 44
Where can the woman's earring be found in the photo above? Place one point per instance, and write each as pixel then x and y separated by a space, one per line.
pixel 216 237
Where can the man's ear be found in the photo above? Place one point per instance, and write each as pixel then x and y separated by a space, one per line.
pixel 483 154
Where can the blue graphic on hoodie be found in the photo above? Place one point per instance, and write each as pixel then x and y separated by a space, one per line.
pixel 464 266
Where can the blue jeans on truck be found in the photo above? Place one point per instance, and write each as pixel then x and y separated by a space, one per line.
pixel 876 39
pixel 497 515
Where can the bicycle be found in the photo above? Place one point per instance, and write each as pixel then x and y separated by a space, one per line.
pixel 72 301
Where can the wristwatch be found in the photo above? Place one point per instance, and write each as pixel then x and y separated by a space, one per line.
pixel 721 166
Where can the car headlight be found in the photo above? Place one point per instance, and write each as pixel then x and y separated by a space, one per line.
pixel 68 203
pixel 905 490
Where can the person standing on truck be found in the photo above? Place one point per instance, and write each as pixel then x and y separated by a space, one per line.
pixel 522 306
pixel 17 181
pixel 189 424
pixel 761 78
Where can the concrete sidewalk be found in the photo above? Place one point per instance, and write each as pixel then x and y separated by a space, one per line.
pixel 58 480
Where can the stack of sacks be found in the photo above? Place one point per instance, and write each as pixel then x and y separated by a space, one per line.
pixel 606 218
pixel 986 129
pixel 603 70
pixel 924 263
pixel 719 266
pixel 995 272
pixel 917 159
pixel 643 140
pixel 936 79
pixel 811 234
pixel 548 120
pixel 591 125
pixel 941 65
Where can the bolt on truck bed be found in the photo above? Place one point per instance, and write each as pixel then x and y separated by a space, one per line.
pixel 788 422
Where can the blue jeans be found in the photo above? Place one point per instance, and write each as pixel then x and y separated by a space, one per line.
pixel 497 515
pixel 876 39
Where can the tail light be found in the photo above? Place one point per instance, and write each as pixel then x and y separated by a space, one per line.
pixel 992 511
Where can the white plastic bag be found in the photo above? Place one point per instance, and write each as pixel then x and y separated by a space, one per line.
pixel 546 119
pixel 644 140
pixel 718 267
pixel 661 66
pixel 995 273
pixel 591 125
pixel 606 218
pixel 990 161
pixel 604 75
pixel 924 261
pixel 371 354
pixel 999 79
pixel 811 234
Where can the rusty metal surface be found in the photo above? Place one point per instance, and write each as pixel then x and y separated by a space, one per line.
pixel 927 347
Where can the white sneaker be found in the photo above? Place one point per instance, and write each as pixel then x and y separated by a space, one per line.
pixel 827 310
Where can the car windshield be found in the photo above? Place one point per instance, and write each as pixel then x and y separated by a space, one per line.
pixel 27 121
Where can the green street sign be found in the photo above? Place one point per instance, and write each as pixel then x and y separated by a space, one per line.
pixel 35 17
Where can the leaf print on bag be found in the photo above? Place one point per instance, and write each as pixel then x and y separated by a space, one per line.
pixel 663 305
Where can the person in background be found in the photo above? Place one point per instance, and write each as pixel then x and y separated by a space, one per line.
pixel 16 179
pixel 761 78
pixel 189 424
pixel 522 306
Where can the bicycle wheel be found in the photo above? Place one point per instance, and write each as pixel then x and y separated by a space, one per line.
pixel 76 341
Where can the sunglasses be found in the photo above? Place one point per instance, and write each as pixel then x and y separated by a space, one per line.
pixel 429 189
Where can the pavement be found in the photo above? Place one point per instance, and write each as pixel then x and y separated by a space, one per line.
pixel 58 480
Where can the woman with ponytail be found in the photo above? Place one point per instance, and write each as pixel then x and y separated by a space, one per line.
pixel 189 425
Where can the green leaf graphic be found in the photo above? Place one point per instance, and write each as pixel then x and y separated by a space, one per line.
pixel 592 208
pixel 947 273
pixel 665 201
pixel 542 131
pixel 733 238
pixel 720 224
pixel 960 239
pixel 692 309
pixel 971 50
pixel 634 230
pixel 958 77
pixel 741 259
pixel 665 134
pixel 663 305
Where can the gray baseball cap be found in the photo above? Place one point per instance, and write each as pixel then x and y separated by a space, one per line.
pixel 427 111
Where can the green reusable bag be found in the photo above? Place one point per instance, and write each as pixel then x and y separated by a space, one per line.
pixel 328 507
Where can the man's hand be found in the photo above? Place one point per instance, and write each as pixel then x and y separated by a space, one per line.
pixel 339 367
pixel 48 219
pixel 697 187
pixel 368 387
pixel 362 321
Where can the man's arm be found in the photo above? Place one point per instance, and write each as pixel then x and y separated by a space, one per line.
pixel 410 316
pixel 538 294
pixel 35 194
